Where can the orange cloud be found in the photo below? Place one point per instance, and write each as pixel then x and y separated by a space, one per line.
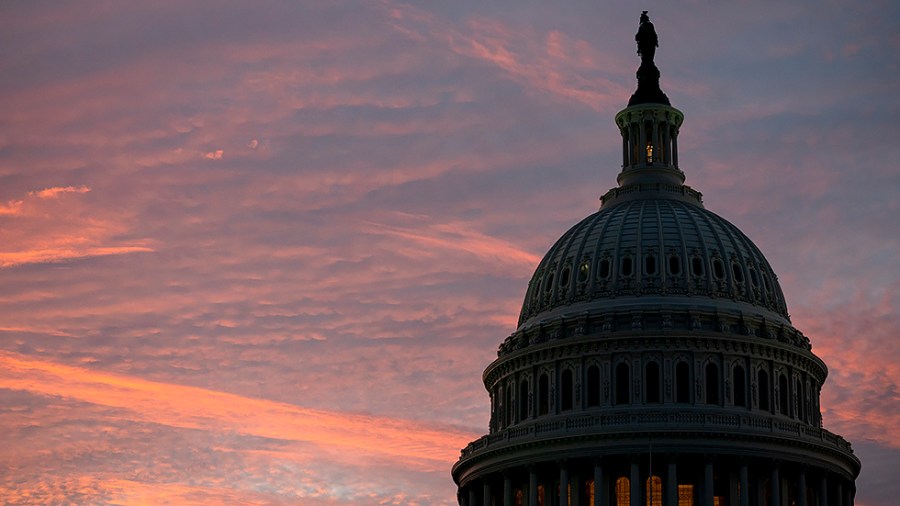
pixel 59 253
pixel 55 191
pixel 49 229
pixel 11 208
pixel 458 237
pixel 411 444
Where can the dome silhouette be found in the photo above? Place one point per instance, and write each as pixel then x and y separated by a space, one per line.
pixel 654 361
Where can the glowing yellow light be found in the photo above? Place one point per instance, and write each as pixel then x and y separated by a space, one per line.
pixel 649 153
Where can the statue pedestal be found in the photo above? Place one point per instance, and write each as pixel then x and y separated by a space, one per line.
pixel 648 90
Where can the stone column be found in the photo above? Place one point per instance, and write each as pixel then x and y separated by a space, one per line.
pixel 775 486
pixel 461 498
pixel 473 497
pixel 745 485
pixel 532 486
pixel 675 148
pixel 563 484
pixel 801 487
pixel 644 141
pixel 635 481
pixel 507 489
pixel 487 493
pixel 839 493
pixel 708 490
pixel 823 491
pixel 598 484
pixel 672 484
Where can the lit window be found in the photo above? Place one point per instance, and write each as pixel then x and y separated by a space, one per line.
pixel 685 495
pixel 583 271
pixel 623 492
pixel 654 491
pixel 649 153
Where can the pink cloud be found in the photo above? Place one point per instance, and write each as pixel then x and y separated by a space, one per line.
pixel 53 192
pixel 409 444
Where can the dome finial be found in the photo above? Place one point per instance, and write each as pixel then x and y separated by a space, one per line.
pixel 648 91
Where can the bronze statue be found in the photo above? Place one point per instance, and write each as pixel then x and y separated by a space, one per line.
pixel 646 39
pixel 648 91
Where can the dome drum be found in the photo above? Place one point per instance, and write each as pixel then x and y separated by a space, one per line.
pixel 586 377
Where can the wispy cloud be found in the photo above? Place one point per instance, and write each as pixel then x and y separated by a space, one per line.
pixel 53 192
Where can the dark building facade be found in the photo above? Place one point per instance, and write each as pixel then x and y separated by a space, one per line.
pixel 655 361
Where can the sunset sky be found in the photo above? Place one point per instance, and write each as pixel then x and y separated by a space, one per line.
pixel 261 252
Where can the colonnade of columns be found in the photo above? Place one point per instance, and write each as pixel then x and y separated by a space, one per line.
pixel 649 135
pixel 688 481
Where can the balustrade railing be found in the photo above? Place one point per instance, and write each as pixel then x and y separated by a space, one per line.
pixel 656 422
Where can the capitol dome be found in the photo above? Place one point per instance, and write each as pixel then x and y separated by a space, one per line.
pixel 651 250
pixel 654 361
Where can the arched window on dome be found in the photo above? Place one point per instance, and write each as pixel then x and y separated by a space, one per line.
pixel 501 409
pixel 718 268
pixel 627 266
pixel 765 278
pixel 565 276
pixel 696 266
pixel 523 400
pixel 543 394
pixel 603 270
pixel 650 264
pixel 584 271
pixel 623 491
pixel 593 386
pixel 809 393
pixel 495 408
pixel 510 414
pixel 567 390
pixel 682 382
pixel 652 382
pixel 762 382
pixel 783 394
pixel 674 265
pixel 739 382
pixel 712 384
pixel 737 272
pixel 623 378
